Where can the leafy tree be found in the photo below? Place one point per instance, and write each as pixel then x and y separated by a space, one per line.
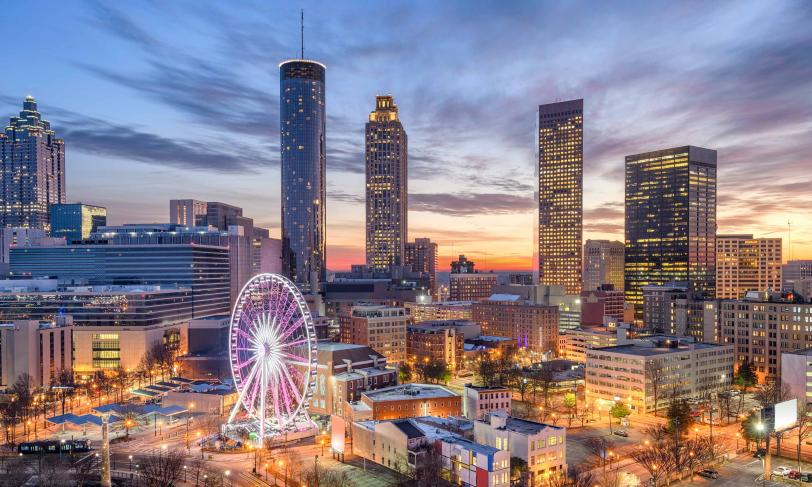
pixel 745 378
pixel 405 373
pixel 518 471
pixel 619 411
pixel 752 429
pixel 679 415
pixel 571 404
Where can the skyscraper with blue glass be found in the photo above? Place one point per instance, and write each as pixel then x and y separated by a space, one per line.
pixel 304 159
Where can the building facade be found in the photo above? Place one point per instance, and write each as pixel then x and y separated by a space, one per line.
pixel 601 303
pixel 407 401
pixel 603 264
pixel 762 331
pixel 744 263
pixel 380 327
pixel 794 271
pixel 435 342
pixel 32 178
pixel 670 220
pixel 76 221
pixel 387 195
pixel 421 255
pixel 542 446
pixel 529 325
pixel 40 349
pixel 574 343
pixel 304 160
pixel 479 401
pixel 441 310
pixel 188 213
pixel 651 371
pixel 561 193
pixel 470 286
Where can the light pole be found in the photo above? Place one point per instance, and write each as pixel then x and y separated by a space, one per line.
pixel 737 441
pixel 131 462
pixel 184 473
pixel 228 472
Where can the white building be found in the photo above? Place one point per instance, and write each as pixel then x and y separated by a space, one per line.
pixel 542 446
pixel 39 349
pixel 663 366
pixel 479 401
pixel 473 464
pixel 574 343
pixel 796 369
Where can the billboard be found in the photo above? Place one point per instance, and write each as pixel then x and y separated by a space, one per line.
pixel 786 415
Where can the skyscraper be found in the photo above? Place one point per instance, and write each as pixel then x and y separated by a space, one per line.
pixel 76 221
pixel 744 263
pixel 421 255
pixel 304 158
pixel 603 264
pixel 561 193
pixel 189 213
pixel 671 220
pixel 387 186
pixel 32 170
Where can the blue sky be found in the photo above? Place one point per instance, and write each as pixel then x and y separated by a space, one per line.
pixel 158 100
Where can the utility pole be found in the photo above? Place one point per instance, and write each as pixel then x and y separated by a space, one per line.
pixel 105 453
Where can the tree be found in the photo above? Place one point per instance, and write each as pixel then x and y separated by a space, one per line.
pixel 679 416
pixel 544 379
pixel 120 379
pixel 574 476
pixel 619 411
pixel 655 375
pixel 772 393
pixel 486 370
pixel 326 477
pixel 162 356
pixel 162 470
pixel 653 460
pixel 518 471
pixel 745 378
pixel 804 427
pixel 752 429
pixel 571 404
pixel 405 373
pixel 130 418
pixel 600 449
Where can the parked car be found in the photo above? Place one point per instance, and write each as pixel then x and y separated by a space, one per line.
pixel 759 453
pixel 622 433
pixel 806 477
pixel 794 475
pixel 708 473
pixel 782 471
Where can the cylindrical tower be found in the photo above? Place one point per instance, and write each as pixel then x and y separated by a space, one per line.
pixel 304 158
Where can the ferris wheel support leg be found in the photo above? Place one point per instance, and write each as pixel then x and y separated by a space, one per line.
pixel 262 412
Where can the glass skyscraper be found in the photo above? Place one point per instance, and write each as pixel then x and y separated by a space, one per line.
pixel 670 220
pixel 32 170
pixel 561 194
pixel 304 159
pixel 76 221
pixel 387 205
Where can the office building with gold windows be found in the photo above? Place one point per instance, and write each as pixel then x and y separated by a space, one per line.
pixel 670 220
pixel 561 194
pixel 744 263
pixel 387 186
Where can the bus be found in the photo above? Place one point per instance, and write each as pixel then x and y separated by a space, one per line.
pixel 52 446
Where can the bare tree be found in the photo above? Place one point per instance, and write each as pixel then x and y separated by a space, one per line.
pixel 804 427
pixel 162 470
pixel 575 476
pixel 654 461
pixel 326 477
pixel 655 375
pixel 773 393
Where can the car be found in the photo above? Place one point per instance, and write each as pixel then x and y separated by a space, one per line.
pixel 708 473
pixel 759 453
pixel 782 471
pixel 794 475
pixel 806 477
pixel 622 433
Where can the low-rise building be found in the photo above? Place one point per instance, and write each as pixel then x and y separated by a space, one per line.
pixel 470 286
pixel 380 327
pixel 656 370
pixel 437 342
pixel 40 349
pixel 405 401
pixel 542 446
pixel 574 343
pixel 465 462
pixel 481 400
pixel 762 328
pixel 529 325
pixel 345 371
pixel 598 304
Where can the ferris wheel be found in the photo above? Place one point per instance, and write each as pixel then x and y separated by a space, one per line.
pixel 272 348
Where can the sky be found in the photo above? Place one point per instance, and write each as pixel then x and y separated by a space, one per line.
pixel 161 100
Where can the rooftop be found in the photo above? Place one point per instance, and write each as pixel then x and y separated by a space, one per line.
pixel 642 350
pixel 470 445
pixel 528 427
pixel 409 391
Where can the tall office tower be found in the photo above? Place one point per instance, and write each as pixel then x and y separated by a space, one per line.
pixel 387 186
pixel 189 213
pixel 671 220
pixel 32 170
pixel 462 266
pixel 603 264
pixel 561 193
pixel 744 263
pixel 421 255
pixel 304 159
pixel 76 221
pixel 793 272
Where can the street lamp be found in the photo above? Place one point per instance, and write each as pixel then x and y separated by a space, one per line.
pixel 737 441
pixel 131 463
pixel 228 472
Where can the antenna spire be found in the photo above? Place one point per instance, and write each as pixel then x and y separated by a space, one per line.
pixel 302 25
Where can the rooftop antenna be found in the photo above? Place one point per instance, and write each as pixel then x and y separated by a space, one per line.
pixel 302 25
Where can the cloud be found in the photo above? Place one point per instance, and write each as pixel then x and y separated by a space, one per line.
pixel 469 204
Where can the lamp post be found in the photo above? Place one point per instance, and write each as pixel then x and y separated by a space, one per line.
pixel 737 441
pixel 184 473
pixel 228 472
pixel 131 462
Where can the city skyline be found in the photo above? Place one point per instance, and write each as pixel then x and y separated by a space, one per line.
pixel 189 121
